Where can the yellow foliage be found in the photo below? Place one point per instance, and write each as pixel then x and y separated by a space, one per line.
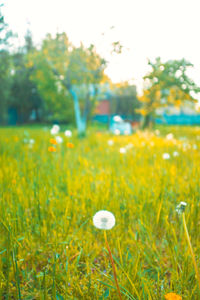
pixel 29 64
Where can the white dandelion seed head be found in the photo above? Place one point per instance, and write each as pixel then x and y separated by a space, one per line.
pixel 169 136
pixel 104 219
pixel 110 142
pixel 166 156
pixel 68 133
pixel 59 139
pixel 122 150
pixel 31 141
pixel 195 147
pixel 175 153
pixel 117 132
pixel 180 208
pixel 55 129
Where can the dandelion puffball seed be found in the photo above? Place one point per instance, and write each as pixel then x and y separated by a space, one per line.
pixel 104 219
pixel 110 142
pixel 68 133
pixel 181 207
pixel 166 156
pixel 175 154
pixel 122 150
pixel 55 129
pixel 59 139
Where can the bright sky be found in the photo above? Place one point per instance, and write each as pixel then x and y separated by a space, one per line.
pixel 146 28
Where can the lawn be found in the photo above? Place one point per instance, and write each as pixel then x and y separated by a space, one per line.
pixel 49 193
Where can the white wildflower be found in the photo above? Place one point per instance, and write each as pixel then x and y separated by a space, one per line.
pixel 122 150
pixel 175 154
pixel 117 132
pixel 31 141
pixel 166 156
pixel 55 129
pixel 104 219
pixel 59 139
pixel 110 142
pixel 68 133
pixel 195 147
pixel 181 207
pixel 169 136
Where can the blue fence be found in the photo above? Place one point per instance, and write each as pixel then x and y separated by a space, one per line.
pixel 101 118
pixel 106 118
pixel 181 119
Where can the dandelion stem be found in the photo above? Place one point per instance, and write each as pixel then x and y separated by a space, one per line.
pixel 113 266
pixel 191 249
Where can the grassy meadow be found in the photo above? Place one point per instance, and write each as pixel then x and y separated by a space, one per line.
pixel 49 247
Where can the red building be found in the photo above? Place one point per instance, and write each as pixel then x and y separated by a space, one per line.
pixel 103 107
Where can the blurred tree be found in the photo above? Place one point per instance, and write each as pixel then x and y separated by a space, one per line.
pixel 166 84
pixel 85 72
pixel 49 65
pixel 64 73
pixel 124 100
pixel 5 34
pixel 25 98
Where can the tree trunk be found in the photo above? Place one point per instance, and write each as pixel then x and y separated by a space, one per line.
pixel 147 121
pixel 80 122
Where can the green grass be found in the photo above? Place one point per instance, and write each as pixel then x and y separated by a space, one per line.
pixel 49 248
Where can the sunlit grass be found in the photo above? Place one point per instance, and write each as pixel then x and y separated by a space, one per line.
pixel 48 245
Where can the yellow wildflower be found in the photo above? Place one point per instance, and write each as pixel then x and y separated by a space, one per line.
pixel 53 141
pixel 52 149
pixel 70 145
pixel 172 296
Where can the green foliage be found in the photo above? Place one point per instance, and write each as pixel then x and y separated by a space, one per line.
pixel 4 68
pixel 85 67
pixel 5 34
pixel 57 67
pixel 48 65
pixel 24 94
pixel 4 84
